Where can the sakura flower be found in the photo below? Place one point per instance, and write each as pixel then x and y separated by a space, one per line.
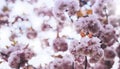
pixel 73 45
pixel 88 47
pixel 107 35
pixel 96 56
pixel 61 63
pixel 107 55
pixel 31 34
pixel 73 6
pixel 69 6
pixel 60 44
pixel 118 51
pixel 17 56
pixel 88 24
pixel 14 59
pixel 107 63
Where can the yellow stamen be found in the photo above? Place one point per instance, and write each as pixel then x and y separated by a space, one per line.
pixel 82 33
pixel 79 13
pixel 90 35
pixel 89 11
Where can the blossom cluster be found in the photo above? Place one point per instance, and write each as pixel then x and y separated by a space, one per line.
pixel 71 34
pixel 17 56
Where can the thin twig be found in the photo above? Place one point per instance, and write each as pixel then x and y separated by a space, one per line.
pixel 19 66
pixel 71 19
pixel 3 54
pixel 106 14
pixel 73 65
pixel 85 62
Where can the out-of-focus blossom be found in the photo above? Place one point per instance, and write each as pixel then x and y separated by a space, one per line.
pixel 104 64
pixel 109 53
pixel 88 24
pixel 31 34
pixel 17 56
pixel 118 51
pixel 107 35
pixel 69 6
pixel 88 47
pixel 60 44
pixel 61 63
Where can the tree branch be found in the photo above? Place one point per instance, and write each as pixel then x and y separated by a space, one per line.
pixel 85 62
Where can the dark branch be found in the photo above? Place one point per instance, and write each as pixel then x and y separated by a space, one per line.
pixel 85 62
pixel 73 65
pixel 3 54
